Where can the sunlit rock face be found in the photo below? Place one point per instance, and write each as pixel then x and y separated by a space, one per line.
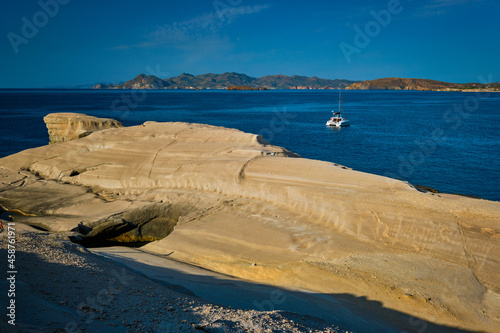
pixel 70 126
pixel 230 202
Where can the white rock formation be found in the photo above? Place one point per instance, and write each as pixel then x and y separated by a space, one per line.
pixel 305 224
pixel 70 126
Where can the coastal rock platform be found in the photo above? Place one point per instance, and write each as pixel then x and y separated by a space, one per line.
pixel 232 203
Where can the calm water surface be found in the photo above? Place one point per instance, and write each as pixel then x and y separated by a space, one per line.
pixel 446 140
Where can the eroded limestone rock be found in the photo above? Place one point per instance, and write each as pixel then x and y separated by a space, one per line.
pixel 70 126
pixel 305 224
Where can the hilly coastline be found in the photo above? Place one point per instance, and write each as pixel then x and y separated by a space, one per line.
pixel 226 80
pixel 396 83
pixel 238 81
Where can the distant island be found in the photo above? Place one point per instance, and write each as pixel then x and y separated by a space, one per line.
pixel 396 83
pixel 226 80
pixel 238 81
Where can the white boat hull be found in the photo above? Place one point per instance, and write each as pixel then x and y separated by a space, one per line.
pixel 342 123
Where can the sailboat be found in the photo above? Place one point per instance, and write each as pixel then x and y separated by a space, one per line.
pixel 337 119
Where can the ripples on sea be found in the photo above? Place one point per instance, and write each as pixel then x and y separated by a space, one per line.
pixel 446 140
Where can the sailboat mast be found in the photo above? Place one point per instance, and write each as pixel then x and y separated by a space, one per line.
pixel 340 95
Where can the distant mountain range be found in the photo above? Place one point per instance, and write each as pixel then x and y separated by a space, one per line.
pixel 226 80
pixel 237 81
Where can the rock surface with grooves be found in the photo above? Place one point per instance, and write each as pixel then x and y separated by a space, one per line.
pixel 259 212
pixel 70 126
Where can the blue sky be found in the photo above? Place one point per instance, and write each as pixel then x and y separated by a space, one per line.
pixel 70 42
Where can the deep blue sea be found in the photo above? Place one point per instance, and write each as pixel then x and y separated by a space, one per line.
pixel 446 140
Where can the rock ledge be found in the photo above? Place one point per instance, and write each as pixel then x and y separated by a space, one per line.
pixel 70 126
